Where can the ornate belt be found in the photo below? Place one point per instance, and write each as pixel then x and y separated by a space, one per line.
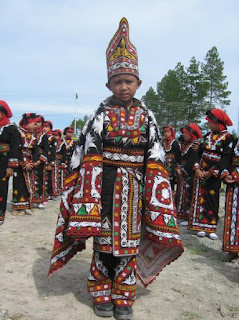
pixel 121 157
pixel 211 156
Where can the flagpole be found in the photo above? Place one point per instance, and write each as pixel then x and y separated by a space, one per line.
pixel 76 97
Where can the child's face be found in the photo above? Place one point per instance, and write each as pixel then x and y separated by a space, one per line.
pixel 46 129
pixel 69 135
pixel 56 137
pixel 166 134
pixel 32 126
pixel 124 86
pixel 1 115
pixel 38 125
pixel 212 126
pixel 186 136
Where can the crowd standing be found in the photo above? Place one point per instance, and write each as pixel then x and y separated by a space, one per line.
pixel 122 184
pixel 35 156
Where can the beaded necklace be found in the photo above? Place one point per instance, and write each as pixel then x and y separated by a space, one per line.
pixel 213 146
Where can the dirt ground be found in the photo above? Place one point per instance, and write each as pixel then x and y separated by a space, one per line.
pixel 199 285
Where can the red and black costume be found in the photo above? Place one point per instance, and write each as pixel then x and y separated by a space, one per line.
pixel 119 161
pixel 70 144
pixel 185 181
pixel 214 155
pixel 119 193
pixel 9 153
pixel 51 182
pixel 40 172
pixel 24 179
pixel 60 165
pixel 172 154
pixel 231 220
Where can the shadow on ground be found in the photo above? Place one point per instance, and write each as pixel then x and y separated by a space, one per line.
pixel 72 278
pixel 210 252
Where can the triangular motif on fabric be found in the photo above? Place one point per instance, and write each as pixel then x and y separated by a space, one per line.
pixel 94 211
pixel 82 211
pixel 106 224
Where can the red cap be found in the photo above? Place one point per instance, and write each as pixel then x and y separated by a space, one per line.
pixel 171 129
pixel 219 117
pixel 28 118
pixel 5 109
pixel 57 132
pixel 193 130
pixel 68 129
pixel 48 124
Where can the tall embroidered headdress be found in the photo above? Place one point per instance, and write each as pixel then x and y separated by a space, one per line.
pixel 121 54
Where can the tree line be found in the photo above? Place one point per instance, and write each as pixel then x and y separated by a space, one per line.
pixel 185 93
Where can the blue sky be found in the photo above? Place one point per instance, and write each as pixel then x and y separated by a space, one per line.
pixel 51 50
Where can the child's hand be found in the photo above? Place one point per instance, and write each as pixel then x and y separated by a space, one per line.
pixel 9 172
pixel 38 163
pixel 229 179
pixel 179 172
pixel 29 166
pixel 207 175
pixel 199 174
pixel 195 145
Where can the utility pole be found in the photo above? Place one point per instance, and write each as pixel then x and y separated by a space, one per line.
pixel 76 98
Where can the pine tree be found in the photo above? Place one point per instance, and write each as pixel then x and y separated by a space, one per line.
pixel 213 74
pixel 196 92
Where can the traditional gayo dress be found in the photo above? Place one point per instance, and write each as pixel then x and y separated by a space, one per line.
pixel 121 147
pixel 23 179
pixel 9 158
pixel 60 165
pixel 70 143
pixel 214 154
pixel 51 175
pixel 172 158
pixel 231 221
pixel 185 185
pixel 40 172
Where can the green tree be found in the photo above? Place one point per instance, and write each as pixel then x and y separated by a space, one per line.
pixel 171 96
pixel 196 91
pixel 79 123
pixel 213 74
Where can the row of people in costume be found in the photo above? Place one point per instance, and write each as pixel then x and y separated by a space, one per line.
pixel 36 157
pixel 199 168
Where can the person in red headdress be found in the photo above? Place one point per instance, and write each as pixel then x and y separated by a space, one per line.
pixel 70 143
pixel 172 151
pixel 118 162
pixel 24 177
pixel 214 155
pixel 50 177
pixel 9 154
pixel 59 165
pixel 40 172
pixel 231 220
pixel 191 136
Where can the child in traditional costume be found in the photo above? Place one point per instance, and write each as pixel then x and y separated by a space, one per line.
pixel 172 153
pixel 231 221
pixel 50 176
pixel 9 154
pixel 70 143
pixel 40 172
pixel 24 176
pixel 188 145
pixel 59 165
pixel 118 165
pixel 214 155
